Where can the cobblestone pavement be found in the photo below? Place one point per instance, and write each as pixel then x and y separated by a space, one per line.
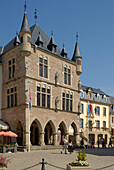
pixel 97 158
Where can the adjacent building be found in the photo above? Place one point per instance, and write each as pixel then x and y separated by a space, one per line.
pixel 112 118
pixel 95 114
pixel 32 62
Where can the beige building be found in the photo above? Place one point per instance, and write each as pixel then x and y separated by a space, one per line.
pixel 33 58
pixel 94 123
pixel 112 118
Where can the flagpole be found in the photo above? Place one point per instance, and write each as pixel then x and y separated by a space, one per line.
pixel 28 123
pixel 88 124
pixel 29 130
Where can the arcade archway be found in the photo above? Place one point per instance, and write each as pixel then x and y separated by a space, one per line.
pixel 49 133
pixel 19 132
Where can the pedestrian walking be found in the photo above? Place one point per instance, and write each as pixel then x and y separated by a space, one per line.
pixel 110 143
pixel 70 146
pixel 82 144
pixel 98 142
pixel 64 146
pixel 93 143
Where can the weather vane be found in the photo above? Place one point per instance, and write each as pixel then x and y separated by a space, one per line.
pixel 51 33
pixel 77 36
pixel 25 6
pixel 35 16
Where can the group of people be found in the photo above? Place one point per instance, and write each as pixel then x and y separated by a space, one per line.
pixel 66 146
pixel 103 142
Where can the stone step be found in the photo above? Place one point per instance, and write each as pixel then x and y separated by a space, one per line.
pixel 45 147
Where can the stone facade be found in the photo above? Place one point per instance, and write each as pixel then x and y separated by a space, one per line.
pixel 0 89
pixel 47 125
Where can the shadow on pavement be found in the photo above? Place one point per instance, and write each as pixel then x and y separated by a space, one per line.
pixel 99 151
pixel 105 167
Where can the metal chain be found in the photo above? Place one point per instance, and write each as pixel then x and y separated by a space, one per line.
pixel 56 166
pixel 31 166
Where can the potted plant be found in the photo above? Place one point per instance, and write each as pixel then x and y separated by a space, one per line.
pixel 3 162
pixel 80 163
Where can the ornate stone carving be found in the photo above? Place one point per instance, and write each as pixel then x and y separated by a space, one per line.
pixel 56 77
pixel 56 102
pixel 26 96
pixel 79 107
pixel 79 85
pixel 26 65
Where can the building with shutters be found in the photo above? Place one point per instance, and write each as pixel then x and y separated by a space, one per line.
pixel 94 123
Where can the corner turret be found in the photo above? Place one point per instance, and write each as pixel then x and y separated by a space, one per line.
pixel 25 36
pixel 77 57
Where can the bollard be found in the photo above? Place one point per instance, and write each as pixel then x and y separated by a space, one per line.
pixel 43 164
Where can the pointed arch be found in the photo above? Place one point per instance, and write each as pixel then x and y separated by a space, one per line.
pixel 73 131
pixel 35 132
pixel 19 132
pixel 49 130
pixel 63 131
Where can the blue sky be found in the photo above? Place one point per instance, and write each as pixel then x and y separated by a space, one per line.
pixel 92 19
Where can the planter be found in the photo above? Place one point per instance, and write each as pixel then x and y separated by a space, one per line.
pixel 4 149
pixel 2 168
pixel 15 148
pixel 78 167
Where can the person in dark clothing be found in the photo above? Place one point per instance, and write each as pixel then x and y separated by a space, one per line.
pixel 110 143
pixel 70 146
pixel 82 144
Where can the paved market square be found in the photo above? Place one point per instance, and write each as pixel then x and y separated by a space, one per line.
pixel 97 158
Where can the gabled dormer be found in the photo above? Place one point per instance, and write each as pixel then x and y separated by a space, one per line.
pixel 52 46
pixel 39 41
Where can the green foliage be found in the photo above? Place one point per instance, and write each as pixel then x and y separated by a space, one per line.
pixel 81 156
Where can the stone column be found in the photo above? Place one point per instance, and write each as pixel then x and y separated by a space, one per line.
pixel 77 135
pixel 67 136
pixel 42 138
pixel 55 141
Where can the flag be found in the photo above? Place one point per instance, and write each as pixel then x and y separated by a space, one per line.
pixel 88 108
pixel 30 100
pixel 95 109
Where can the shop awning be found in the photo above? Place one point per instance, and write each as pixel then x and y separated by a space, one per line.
pixel 3 126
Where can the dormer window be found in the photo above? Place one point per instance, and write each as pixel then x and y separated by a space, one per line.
pixel 54 49
pixel 89 95
pixel 81 94
pixel 39 41
pixel 98 97
pixel 104 98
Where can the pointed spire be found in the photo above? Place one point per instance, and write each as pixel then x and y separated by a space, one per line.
pixel 76 50
pixel 35 16
pixel 52 46
pixel 39 40
pixel 17 40
pixel 25 25
pixel 52 42
pixel 63 52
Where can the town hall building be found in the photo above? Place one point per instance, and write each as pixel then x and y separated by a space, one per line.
pixel 33 60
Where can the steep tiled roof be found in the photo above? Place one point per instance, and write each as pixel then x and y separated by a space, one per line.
pixel 96 91
pixel 35 29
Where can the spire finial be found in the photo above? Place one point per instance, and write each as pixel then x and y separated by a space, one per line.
pixel 16 33
pixel 52 33
pixel 63 45
pixel 35 16
pixel 76 36
pixel 25 6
